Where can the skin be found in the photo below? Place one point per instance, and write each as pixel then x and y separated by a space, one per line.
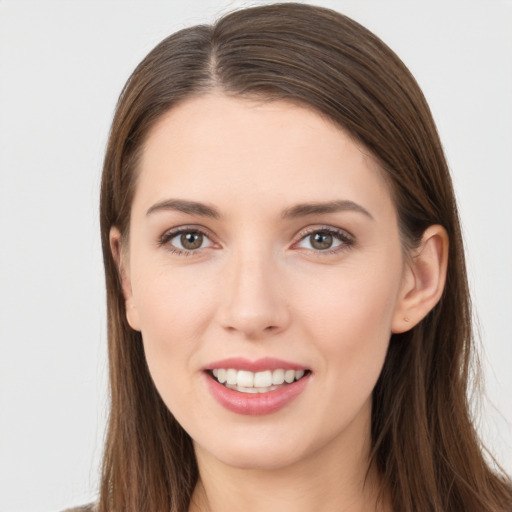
pixel 259 287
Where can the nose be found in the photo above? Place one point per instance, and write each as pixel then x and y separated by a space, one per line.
pixel 253 302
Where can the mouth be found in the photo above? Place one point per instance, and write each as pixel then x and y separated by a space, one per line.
pixel 256 387
pixel 245 381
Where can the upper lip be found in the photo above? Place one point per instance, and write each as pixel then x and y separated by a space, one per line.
pixel 258 365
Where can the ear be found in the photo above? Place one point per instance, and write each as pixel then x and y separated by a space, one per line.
pixel 120 255
pixel 424 280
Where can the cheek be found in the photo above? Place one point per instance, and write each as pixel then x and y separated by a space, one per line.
pixel 349 318
pixel 173 303
pixel 174 309
pixel 350 302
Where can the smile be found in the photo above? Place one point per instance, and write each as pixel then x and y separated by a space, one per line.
pixel 245 381
pixel 255 388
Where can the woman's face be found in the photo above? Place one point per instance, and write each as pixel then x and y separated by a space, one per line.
pixel 263 246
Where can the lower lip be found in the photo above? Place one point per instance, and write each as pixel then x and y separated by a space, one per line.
pixel 255 404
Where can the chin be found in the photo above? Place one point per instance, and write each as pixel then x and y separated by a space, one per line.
pixel 262 455
pixel 263 460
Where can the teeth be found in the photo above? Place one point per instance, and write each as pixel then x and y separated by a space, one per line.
pixel 244 379
pixel 289 376
pixel 252 390
pixel 277 377
pixel 221 375
pixel 231 376
pixel 263 379
pixel 256 382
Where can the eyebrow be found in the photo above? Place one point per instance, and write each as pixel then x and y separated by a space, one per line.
pixel 181 205
pixel 305 209
pixel 299 210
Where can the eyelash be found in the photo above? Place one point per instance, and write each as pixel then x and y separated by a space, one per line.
pixel 341 235
pixel 169 235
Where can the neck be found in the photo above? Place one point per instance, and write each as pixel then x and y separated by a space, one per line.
pixel 335 478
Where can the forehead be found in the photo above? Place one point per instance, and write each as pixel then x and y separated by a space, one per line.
pixel 251 152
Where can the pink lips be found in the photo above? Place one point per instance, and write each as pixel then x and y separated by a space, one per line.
pixel 266 363
pixel 257 403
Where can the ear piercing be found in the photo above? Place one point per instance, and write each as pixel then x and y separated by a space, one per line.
pixel 407 319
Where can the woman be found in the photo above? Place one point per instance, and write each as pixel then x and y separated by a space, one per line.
pixel 289 318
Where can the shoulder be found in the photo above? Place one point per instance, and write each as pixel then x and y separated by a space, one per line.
pixel 85 508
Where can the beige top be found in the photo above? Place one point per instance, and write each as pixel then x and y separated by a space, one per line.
pixel 84 508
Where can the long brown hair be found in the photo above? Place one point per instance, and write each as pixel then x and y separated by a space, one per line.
pixel 424 444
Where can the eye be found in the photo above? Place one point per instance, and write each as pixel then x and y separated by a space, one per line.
pixel 184 241
pixel 326 240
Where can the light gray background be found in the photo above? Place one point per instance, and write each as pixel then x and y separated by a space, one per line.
pixel 62 66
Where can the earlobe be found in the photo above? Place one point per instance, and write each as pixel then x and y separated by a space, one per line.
pixel 424 282
pixel 120 257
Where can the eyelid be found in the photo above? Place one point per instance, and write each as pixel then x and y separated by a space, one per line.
pixel 171 233
pixel 347 239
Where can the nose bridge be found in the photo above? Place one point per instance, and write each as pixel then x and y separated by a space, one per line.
pixel 253 302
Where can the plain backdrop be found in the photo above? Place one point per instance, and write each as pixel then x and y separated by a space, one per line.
pixel 62 66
